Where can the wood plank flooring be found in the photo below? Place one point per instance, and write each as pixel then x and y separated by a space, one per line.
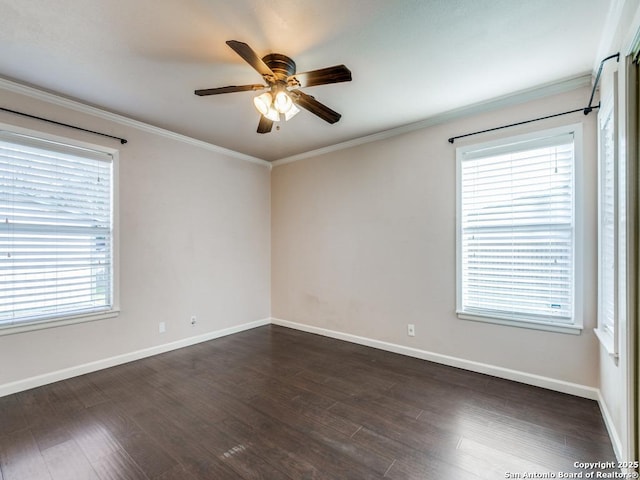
pixel 273 403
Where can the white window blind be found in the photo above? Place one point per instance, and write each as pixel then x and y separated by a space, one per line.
pixel 55 230
pixel 608 237
pixel 516 231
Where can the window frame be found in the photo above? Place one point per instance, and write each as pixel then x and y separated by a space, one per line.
pixel 576 326
pixel 75 318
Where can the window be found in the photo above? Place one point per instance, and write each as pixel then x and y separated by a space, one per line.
pixel 607 226
pixel 516 243
pixel 56 232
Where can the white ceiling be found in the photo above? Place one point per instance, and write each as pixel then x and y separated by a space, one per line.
pixel 410 59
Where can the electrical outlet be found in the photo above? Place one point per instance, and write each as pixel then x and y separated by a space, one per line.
pixel 193 320
pixel 162 327
pixel 411 330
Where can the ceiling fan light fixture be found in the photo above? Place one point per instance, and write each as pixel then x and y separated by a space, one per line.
pixel 282 102
pixel 292 112
pixel 263 103
pixel 272 114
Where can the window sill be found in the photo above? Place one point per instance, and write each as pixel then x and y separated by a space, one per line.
pixel 549 327
pixel 608 343
pixel 57 322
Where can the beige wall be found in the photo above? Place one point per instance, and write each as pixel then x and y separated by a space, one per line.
pixel 194 240
pixel 364 243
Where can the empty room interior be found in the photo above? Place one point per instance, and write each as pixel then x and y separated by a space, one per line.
pixel 290 239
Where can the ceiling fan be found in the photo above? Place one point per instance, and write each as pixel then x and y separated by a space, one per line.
pixel 283 83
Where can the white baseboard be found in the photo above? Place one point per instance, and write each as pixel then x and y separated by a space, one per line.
pixel 506 373
pixel 39 380
pixel 500 372
pixel 611 429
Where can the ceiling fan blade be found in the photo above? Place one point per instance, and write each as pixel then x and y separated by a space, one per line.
pixel 252 58
pixel 323 76
pixel 311 104
pixel 265 124
pixel 229 89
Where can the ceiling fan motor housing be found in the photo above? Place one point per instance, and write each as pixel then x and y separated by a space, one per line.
pixel 281 65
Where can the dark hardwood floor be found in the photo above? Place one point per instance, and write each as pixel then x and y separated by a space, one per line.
pixel 274 403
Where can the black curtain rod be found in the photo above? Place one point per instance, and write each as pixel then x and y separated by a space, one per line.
pixel 452 139
pixel 595 84
pixel 122 140
pixel 586 110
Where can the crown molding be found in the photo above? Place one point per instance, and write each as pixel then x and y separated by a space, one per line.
pixel 122 120
pixel 632 41
pixel 516 98
pixel 609 32
pixel 621 31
